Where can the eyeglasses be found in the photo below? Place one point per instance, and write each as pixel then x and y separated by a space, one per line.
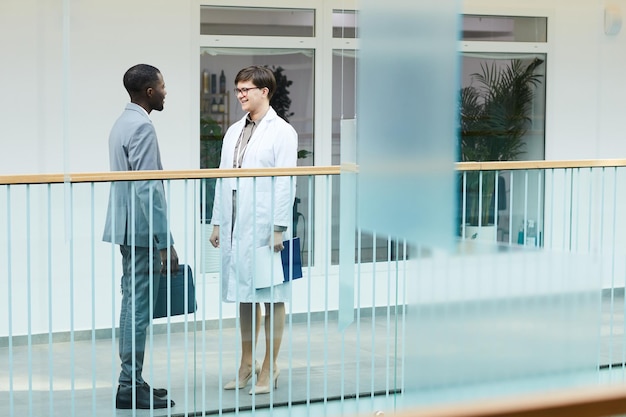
pixel 244 90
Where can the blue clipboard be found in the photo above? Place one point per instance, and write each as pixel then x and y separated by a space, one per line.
pixel 291 270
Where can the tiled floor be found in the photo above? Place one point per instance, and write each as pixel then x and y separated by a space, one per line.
pixel 329 360
pixel 317 363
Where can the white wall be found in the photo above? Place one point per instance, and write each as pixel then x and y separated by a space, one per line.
pixel 106 38
pixel 45 128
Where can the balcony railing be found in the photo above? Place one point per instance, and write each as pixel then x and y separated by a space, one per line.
pixel 58 340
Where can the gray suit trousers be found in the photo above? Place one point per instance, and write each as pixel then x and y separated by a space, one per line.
pixel 137 300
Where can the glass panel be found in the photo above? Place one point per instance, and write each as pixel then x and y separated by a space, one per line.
pixel 344 107
pixel 505 28
pixel 256 21
pixel 406 178
pixel 345 24
pixel 489 321
pixel 344 95
pixel 494 130
pixel 293 101
pixel 489 82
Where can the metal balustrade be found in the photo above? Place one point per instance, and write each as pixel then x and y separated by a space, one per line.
pixel 58 338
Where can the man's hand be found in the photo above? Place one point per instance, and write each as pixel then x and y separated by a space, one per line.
pixel 278 241
pixel 215 237
pixel 173 260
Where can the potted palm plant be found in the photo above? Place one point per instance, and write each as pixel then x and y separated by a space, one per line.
pixel 495 116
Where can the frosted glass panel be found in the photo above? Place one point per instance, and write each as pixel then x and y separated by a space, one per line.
pixel 502 316
pixel 407 118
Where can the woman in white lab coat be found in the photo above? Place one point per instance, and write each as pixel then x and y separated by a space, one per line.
pixel 251 213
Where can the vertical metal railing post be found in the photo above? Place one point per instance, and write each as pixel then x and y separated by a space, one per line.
pixel 113 280
pixel 464 204
pixel 29 317
pixel 151 272
pixel 289 313
pixel 550 236
pixel 185 277
pixel 359 289
pixel 327 258
pixel 70 211
pixel 220 315
pixel 50 315
pixel 525 206
pixel 575 209
pixel 373 318
pixel 170 276
pixel 612 268
pixel 185 290
pixel 10 301
pixel 308 296
pixel 567 223
pixel 590 210
pixel 201 284
pixel 480 198
pixel 496 205
pixel 403 356
pixel 388 354
pixel 511 194
pixel 271 311
pixel 539 223
pixel 92 256
pixel 133 318
pixel 571 210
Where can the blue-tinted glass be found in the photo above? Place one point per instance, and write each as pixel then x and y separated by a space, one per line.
pixel 407 117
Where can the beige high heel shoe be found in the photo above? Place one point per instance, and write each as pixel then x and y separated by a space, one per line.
pixel 265 389
pixel 243 381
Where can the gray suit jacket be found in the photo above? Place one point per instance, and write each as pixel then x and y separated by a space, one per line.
pixel 133 146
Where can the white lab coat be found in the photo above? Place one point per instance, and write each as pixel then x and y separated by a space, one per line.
pixel 273 144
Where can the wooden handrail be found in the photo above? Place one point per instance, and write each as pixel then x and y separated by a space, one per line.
pixel 165 175
pixel 271 172
pixel 579 402
pixel 518 165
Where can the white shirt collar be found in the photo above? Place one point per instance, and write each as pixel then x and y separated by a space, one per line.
pixel 144 110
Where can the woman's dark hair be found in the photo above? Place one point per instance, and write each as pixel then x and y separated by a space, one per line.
pixel 140 77
pixel 260 77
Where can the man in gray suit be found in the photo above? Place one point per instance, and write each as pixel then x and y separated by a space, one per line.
pixel 137 221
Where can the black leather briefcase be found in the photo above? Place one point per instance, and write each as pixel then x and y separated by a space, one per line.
pixel 177 291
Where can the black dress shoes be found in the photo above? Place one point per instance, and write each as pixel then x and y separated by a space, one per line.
pixel 159 392
pixel 124 398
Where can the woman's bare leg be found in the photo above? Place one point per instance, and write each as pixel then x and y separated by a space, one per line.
pixel 246 321
pixel 273 337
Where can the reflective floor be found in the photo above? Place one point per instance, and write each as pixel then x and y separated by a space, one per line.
pixel 319 365
pixel 317 362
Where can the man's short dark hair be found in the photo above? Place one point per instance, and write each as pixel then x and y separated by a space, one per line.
pixel 140 77
pixel 260 77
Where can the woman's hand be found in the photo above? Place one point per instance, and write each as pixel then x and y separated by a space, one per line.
pixel 215 237
pixel 278 241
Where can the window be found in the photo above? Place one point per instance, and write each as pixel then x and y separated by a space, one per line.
pixel 505 28
pixel 256 21
pixel 345 24
pixel 492 56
